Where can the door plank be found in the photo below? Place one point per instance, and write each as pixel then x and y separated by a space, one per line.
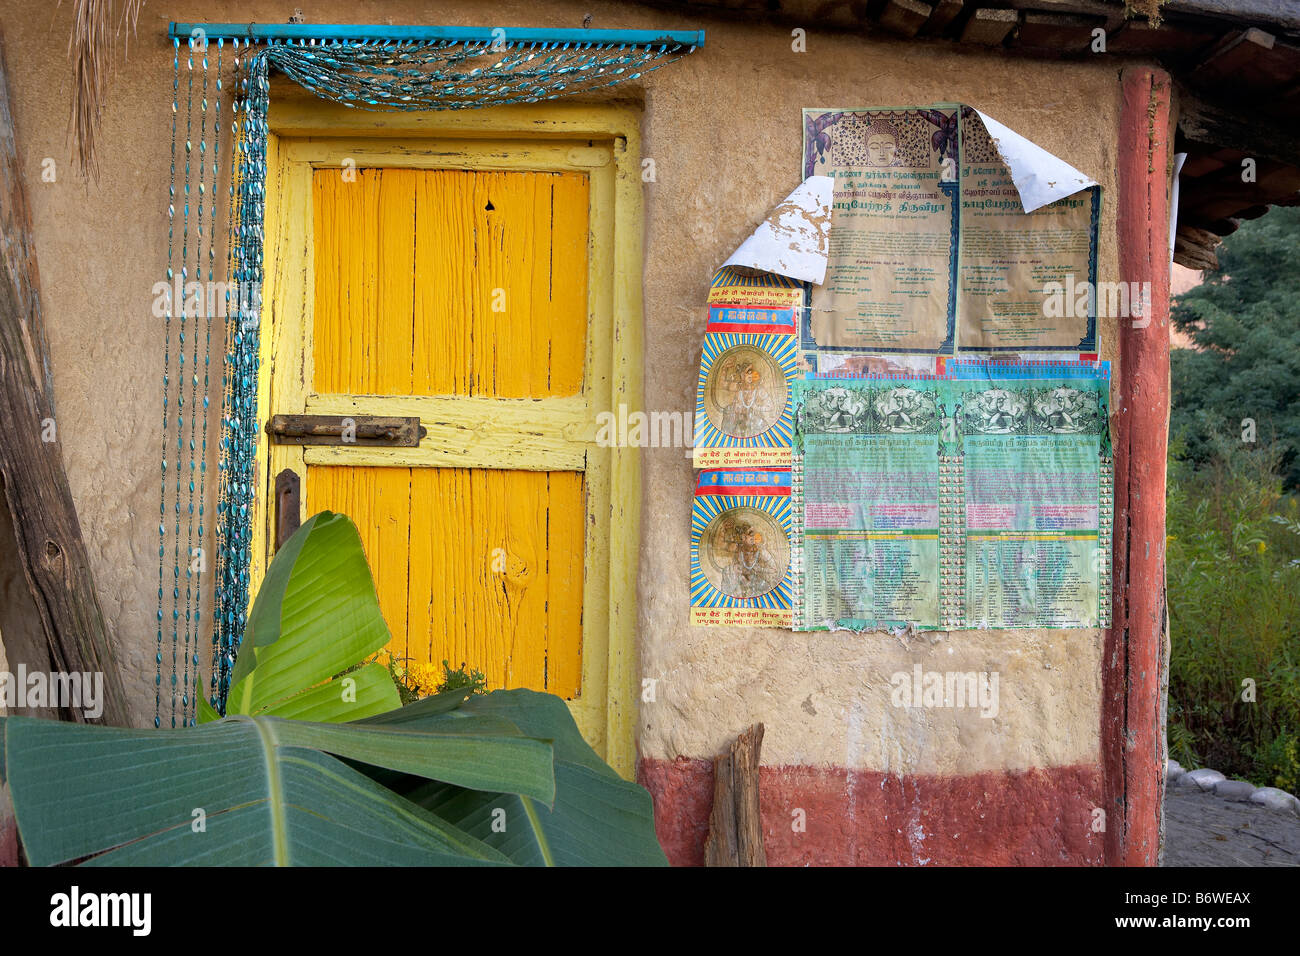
pixel 566 316
pixel 378 500
pixel 443 334
pixel 525 580
pixel 565 553
pixel 393 342
pixel 550 434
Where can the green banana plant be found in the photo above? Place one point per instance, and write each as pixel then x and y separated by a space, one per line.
pixel 315 615
pixel 456 779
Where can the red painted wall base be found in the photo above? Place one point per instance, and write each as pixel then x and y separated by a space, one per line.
pixel 1039 817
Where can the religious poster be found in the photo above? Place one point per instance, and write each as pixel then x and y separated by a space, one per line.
pixel 1036 492
pixel 867 507
pixel 949 233
pixel 1011 259
pixel 979 499
pixel 893 244
pixel 740 548
pixel 742 409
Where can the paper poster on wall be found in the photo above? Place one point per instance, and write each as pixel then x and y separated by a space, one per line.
pixel 867 509
pixel 979 499
pixel 1036 487
pixel 740 548
pixel 946 230
pixel 1010 258
pixel 889 284
pixel 742 408
pixel 793 240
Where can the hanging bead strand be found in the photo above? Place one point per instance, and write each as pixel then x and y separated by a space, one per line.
pixel 205 304
pixel 243 429
pixel 167 339
pixel 180 384
pixel 196 687
pixel 231 567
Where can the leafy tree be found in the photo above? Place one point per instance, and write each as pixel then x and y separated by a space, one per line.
pixel 1245 322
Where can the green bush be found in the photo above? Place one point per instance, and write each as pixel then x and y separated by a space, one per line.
pixel 1234 606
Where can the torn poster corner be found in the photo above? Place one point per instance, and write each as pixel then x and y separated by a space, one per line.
pixel 794 240
pixel 1040 177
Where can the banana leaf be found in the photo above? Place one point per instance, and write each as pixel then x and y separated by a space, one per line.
pixel 598 818
pixel 316 615
pixel 266 790
pixel 454 779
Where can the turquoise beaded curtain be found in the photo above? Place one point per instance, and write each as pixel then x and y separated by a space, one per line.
pixel 372 68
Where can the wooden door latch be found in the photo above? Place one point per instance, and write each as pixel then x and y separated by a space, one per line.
pixel 362 430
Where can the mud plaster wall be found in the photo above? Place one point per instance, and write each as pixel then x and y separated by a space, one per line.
pixel 723 127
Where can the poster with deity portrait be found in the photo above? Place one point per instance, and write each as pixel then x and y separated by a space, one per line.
pixel 890 285
pixel 742 409
pixel 740 548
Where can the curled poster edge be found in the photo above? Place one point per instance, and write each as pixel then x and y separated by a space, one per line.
pixel 794 239
pixel 1041 178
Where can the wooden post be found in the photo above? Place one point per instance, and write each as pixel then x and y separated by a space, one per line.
pixel 735 825
pixel 1135 661
pixel 33 484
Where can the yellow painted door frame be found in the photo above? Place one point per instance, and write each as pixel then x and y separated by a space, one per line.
pixel 543 434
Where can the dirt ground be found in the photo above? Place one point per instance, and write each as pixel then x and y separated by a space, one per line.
pixel 1202 829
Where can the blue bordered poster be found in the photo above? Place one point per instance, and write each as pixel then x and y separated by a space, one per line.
pixel 742 408
pixel 980 498
pixel 931 248
pixel 740 548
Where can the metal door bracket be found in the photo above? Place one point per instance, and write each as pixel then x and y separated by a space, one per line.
pixel 363 430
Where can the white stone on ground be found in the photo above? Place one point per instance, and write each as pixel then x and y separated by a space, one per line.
pixel 1276 799
pixel 1239 790
pixel 1203 778
pixel 1173 770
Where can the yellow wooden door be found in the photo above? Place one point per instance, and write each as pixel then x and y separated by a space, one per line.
pixel 467 284
pixel 480 272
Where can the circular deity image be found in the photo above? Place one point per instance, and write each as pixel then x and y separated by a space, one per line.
pixel 745 392
pixel 744 553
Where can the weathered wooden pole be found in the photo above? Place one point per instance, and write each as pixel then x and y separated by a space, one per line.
pixel 67 634
pixel 1135 662
pixel 735 825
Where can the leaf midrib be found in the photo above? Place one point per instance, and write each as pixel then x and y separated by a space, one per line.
pixel 543 844
pixel 275 789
